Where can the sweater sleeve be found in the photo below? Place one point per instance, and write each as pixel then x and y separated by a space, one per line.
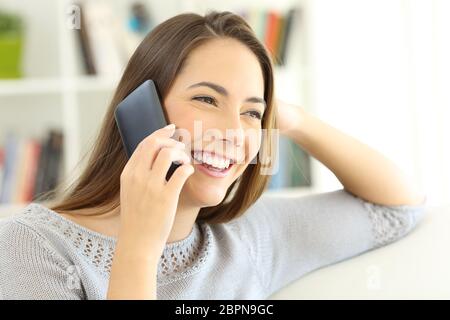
pixel 31 269
pixel 289 237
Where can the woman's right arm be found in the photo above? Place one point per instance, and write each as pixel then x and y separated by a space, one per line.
pixel 147 210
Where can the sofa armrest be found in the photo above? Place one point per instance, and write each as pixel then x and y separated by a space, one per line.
pixel 414 267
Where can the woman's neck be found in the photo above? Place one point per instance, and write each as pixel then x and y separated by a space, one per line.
pixel 185 218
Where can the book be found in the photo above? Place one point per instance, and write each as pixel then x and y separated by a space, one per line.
pixel 10 164
pixel 29 166
pixel 48 171
pixel 27 175
pixel 293 14
pixel 273 29
pixel 54 159
pixel 85 44
pixel 101 27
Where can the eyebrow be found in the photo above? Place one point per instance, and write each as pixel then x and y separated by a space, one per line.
pixel 221 90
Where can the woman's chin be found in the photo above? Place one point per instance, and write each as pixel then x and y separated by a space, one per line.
pixel 209 198
pixel 206 194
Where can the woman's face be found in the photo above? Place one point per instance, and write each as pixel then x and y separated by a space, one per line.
pixel 223 118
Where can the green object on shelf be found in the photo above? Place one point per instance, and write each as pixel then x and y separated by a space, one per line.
pixel 11 43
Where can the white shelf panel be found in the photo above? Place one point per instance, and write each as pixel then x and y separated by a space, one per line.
pixel 7 210
pixel 94 83
pixel 33 86
pixel 29 86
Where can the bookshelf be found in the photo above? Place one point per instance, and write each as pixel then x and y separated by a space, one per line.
pixel 55 92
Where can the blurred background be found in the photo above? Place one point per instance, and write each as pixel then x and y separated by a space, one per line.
pixel 377 70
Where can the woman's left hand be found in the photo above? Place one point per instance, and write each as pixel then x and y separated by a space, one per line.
pixel 289 117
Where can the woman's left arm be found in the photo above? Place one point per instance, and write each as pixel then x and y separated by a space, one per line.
pixel 362 170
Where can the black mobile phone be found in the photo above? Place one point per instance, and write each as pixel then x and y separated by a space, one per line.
pixel 139 115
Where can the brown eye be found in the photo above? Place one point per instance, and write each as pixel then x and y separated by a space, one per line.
pixel 255 114
pixel 206 99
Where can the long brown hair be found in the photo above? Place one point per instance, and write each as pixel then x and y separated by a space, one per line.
pixel 160 56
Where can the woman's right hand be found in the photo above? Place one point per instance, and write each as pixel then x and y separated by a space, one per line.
pixel 148 202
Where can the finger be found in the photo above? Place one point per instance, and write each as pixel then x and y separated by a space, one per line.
pixel 149 155
pixel 165 158
pixel 144 144
pixel 179 177
pixel 148 149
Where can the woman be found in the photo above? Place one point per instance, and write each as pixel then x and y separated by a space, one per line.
pixel 123 232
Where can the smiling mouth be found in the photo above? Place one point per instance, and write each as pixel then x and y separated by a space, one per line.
pixel 213 165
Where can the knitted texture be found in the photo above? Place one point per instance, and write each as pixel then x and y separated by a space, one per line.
pixel 391 223
pixel 46 256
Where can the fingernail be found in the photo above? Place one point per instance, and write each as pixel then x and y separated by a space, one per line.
pixel 170 126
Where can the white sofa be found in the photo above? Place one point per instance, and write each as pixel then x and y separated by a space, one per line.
pixel 415 267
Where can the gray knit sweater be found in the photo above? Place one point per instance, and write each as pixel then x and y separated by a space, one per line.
pixel 46 256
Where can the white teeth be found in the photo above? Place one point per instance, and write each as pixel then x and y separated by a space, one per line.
pixel 215 161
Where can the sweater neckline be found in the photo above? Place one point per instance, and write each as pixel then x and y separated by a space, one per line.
pixel 107 238
pixel 178 259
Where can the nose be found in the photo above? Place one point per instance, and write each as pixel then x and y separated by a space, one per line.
pixel 227 133
pixel 234 133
